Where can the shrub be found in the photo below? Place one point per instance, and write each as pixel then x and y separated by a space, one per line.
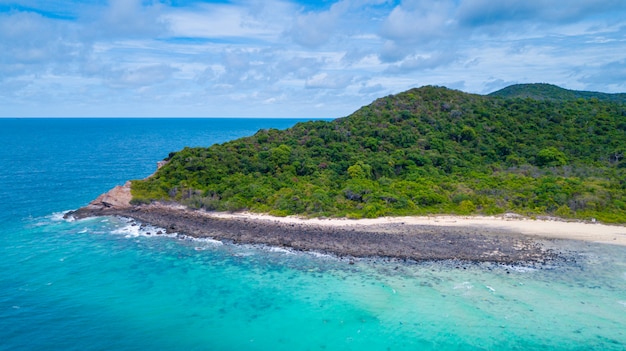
pixel 550 157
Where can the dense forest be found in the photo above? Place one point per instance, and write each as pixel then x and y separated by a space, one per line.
pixel 429 150
pixel 543 91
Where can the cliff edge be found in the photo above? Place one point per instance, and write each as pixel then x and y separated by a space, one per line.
pixel 113 200
pixel 110 203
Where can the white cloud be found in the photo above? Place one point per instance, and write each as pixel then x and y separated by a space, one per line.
pixel 279 57
pixel 124 19
pixel 329 81
pixel 140 76
pixel 430 60
pixel 371 89
pixel 420 21
pixel 611 73
pixel 215 21
pixel 29 39
pixel 344 19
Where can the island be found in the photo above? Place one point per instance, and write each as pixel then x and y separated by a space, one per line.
pixel 427 174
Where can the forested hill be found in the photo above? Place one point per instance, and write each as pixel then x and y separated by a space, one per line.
pixel 426 150
pixel 542 91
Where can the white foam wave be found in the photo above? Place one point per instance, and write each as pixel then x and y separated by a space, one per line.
pixel 58 217
pixel 321 255
pixel 54 217
pixel 133 230
pixel 520 269
pixel 280 250
pixel 623 303
pixel 208 241
pixel 254 248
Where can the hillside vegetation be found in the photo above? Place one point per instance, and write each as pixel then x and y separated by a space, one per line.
pixel 427 150
pixel 543 91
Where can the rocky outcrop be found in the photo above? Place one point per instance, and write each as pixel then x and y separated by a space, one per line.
pixel 113 200
pixel 118 197
pixel 398 241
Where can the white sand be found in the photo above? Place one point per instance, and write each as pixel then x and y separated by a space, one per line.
pixel 592 232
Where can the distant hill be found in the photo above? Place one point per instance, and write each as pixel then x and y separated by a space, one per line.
pixel 543 91
pixel 427 150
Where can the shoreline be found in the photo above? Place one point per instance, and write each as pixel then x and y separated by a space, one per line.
pixel 507 238
pixel 403 238
pixel 553 228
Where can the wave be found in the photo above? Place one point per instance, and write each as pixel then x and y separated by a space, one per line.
pixel 132 229
pixel 55 217
pixel 246 250
pixel 322 255
pixel 60 217
pixel 519 268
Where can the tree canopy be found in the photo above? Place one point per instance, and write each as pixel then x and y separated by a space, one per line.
pixel 427 150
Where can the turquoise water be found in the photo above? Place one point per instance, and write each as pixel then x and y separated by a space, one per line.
pixel 100 283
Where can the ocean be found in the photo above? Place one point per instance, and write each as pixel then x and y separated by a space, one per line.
pixel 104 284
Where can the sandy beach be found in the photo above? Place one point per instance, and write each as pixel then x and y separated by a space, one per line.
pixel 544 228
pixel 505 238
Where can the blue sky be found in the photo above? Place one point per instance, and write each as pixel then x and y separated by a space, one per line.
pixel 270 58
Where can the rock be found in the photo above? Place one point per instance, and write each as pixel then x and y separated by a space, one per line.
pixel 110 203
pixel 117 198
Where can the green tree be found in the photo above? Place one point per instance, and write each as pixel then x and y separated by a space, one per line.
pixel 427 150
pixel 551 156
pixel 359 170
pixel 280 155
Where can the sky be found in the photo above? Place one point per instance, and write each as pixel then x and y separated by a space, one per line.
pixel 292 58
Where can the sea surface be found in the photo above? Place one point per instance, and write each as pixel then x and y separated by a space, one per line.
pixel 104 284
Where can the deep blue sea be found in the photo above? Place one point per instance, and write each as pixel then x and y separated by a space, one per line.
pixel 101 284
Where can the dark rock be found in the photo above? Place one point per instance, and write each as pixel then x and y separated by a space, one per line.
pixel 402 242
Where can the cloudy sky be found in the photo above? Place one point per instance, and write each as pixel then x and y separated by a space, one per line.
pixel 292 58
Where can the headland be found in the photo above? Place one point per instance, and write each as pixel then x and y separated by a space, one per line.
pixel 503 239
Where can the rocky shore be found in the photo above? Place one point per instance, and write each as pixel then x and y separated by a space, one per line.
pixel 392 240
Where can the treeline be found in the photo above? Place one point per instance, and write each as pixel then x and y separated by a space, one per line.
pixel 543 91
pixel 427 150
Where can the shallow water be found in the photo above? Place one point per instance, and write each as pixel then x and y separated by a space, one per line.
pixel 104 283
